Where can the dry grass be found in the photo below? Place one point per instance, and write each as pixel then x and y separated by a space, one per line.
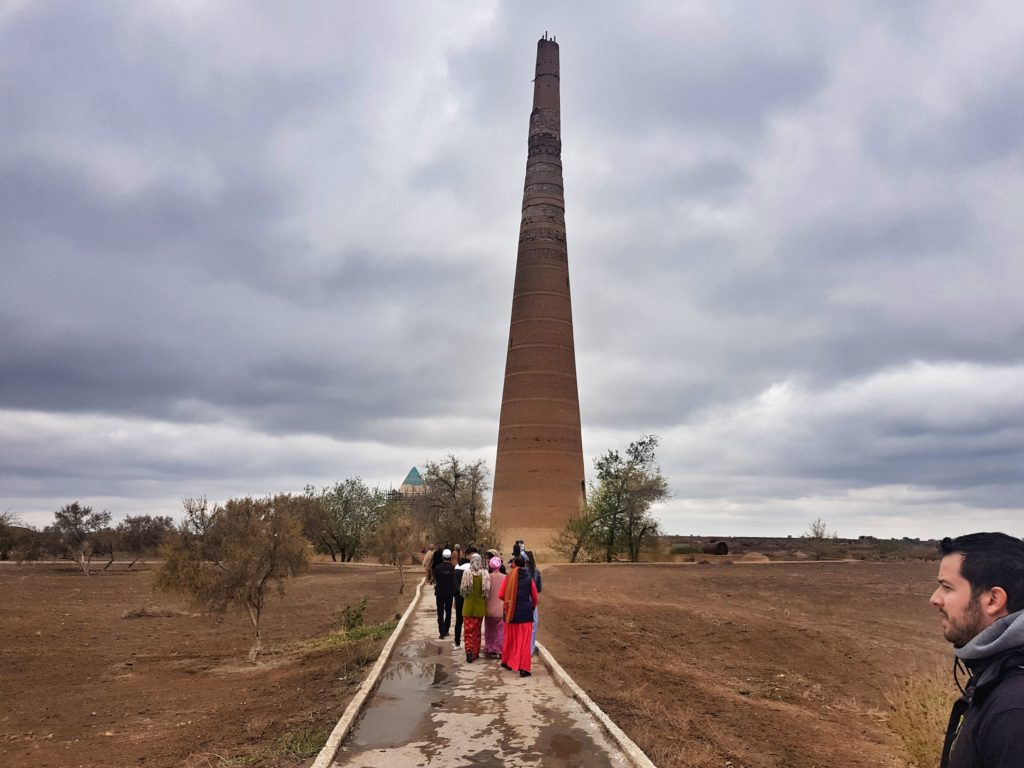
pixel 287 749
pixel 155 612
pixel 667 734
pixel 338 639
pixel 918 712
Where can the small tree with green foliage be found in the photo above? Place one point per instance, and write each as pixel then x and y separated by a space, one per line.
pixel 77 533
pixel 617 516
pixel 231 556
pixel 340 517
pixel 577 538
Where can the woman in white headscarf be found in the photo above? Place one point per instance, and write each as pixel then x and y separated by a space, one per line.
pixel 475 588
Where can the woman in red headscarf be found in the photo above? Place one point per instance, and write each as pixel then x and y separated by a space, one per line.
pixel 519 597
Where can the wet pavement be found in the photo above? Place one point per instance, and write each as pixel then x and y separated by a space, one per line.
pixel 433 709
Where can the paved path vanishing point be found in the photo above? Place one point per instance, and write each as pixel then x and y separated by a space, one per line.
pixel 434 709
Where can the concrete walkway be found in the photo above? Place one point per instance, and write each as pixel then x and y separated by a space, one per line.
pixel 434 709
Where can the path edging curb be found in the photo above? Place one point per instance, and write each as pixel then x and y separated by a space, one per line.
pixel 633 753
pixel 344 725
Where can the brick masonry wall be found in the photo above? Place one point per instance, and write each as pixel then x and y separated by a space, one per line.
pixel 538 472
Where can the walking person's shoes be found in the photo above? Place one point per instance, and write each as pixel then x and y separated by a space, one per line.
pixel 506 666
pixel 524 673
pixel 469 657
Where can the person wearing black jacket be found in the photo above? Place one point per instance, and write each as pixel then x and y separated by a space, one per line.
pixel 981 600
pixel 444 593
pixel 460 563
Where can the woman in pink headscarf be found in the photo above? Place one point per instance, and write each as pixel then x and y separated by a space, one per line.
pixel 494 624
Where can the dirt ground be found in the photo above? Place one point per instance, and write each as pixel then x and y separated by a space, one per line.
pixel 725 665
pixel 746 665
pixel 82 686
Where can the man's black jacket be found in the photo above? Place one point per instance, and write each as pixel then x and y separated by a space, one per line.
pixel 444 579
pixel 986 726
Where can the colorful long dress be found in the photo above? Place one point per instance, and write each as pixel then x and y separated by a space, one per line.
pixel 494 623
pixel 519 595
pixel 474 609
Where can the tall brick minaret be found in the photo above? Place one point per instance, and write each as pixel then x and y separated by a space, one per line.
pixel 538 472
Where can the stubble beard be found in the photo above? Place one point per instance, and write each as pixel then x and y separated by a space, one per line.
pixel 962 631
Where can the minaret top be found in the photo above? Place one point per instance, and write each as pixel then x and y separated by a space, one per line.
pixel 545 84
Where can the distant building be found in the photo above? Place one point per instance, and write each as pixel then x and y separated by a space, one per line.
pixel 413 484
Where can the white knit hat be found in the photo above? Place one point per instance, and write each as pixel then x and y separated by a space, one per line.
pixel 447 554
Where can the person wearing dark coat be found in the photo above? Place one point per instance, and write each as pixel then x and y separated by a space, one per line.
pixel 519 597
pixel 981 600
pixel 444 593
pixel 459 563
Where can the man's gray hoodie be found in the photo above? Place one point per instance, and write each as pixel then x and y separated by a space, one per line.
pixel 986 726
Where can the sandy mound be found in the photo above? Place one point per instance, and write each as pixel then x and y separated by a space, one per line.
pixel 754 557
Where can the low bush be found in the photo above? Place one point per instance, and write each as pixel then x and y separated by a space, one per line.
pixel 686 549
pixel 352 616
pixel 918 712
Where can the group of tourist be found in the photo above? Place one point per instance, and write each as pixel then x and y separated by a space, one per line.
pixel 494 602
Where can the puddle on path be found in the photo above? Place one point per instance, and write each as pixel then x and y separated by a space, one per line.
pixel 401 701
pixel 563 745
pixel 419 650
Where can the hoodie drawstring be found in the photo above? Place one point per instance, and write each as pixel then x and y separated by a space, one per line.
pixel 958 667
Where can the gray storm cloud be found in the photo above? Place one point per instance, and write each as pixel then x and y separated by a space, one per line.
pixel 249 248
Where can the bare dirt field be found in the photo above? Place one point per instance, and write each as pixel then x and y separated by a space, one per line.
pixel 725 665
pixel 82 686
pixel 747 665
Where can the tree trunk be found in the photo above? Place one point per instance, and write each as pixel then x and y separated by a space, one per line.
pixel 330 549
pixel 83 562
pixel 257 643
pixel 578 546
pixel 401 575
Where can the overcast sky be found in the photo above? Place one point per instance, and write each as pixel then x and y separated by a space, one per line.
pixel 250 246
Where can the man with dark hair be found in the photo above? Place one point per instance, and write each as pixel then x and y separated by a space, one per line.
pixel 981 600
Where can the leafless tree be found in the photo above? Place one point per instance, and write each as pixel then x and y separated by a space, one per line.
pixel 232 555
pixel 457 498
pixel 9 522
pixel 820 540
pixel 141 535
pixel 393 537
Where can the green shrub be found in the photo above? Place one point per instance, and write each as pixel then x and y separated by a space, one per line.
pixel 686 549
pixel 352 616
